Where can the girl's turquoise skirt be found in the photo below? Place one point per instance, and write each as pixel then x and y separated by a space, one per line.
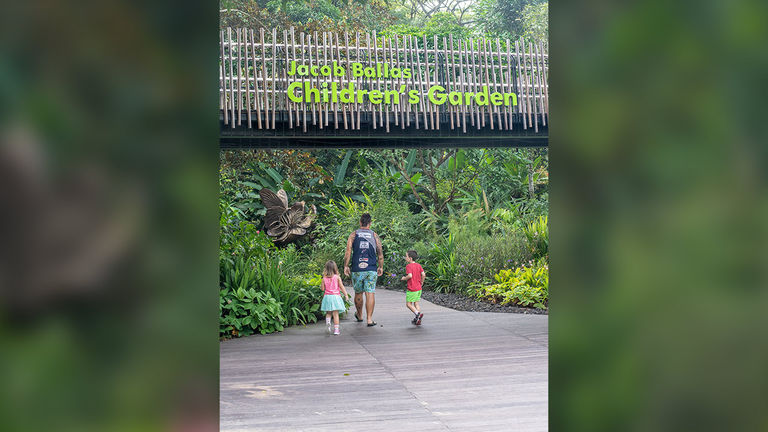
pixel 332 303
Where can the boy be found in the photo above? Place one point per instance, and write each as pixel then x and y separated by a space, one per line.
pixel 415 277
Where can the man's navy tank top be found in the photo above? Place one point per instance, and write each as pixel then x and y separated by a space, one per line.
pixel 364 251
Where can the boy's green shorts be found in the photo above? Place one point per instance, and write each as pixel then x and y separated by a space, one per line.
pixel 412 296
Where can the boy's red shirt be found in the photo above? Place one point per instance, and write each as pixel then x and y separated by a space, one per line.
pixel 414 283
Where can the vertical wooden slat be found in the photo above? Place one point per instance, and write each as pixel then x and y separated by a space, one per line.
pixel 274 76
pixel 303 38
pixel 341 83
pixel 393 82
pixel 455 110
pixel 521 87
pixel 473 87
pixel 369 81
pixel 288 104
pixel 428 78
pixel 403 99
pixel 223 91
pixel 384 82
pixel 247 78
pixel 423 101
pixel 487 82
pixel 358 80
pixel 264 86
pixel 416 76
pixel 532 83
pixel 238 33
pixel 497 109
pixel 532 87
pixel 296 106
pixel 310 45
pixel 437 108
pixel 477 80
pixel 231 79
pixel 503 80
pixel 527 85
pixel 256 94
pixel 462 81
pixel 324 105
pixel 332 105
pixel 545 86
pixel 352 106
pixel 409 81
pixel 514 78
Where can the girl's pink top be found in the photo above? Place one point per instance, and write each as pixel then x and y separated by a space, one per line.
pixel 331 285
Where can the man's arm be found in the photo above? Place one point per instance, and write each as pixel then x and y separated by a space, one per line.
pixel 348 253
pixel 380 253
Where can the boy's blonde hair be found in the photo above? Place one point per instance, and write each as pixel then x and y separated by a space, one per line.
pixel 330 269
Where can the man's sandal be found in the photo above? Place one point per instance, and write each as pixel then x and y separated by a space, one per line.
pixel 357 318
pixel 371 324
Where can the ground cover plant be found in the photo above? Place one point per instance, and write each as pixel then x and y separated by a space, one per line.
pixel 477 218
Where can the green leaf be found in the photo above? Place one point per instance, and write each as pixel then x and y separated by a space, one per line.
pixel 275 175
pixel 342 171
pixel 410 160
pixel 460 159
pixel 251 184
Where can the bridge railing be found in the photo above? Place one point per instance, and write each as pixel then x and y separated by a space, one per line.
pixel 259 86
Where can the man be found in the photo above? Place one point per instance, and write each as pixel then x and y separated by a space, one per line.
pixel 364 247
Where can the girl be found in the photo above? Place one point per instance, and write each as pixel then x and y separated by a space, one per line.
pixel 332 302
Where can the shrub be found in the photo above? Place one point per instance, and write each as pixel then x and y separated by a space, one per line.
pixel 480 257
pixel 537 233
pixel 255 295
pixel 243 309
pixel 243 239
pixel 396 226
pixel 523 286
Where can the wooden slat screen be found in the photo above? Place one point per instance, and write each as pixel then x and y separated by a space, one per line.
pixel 253 80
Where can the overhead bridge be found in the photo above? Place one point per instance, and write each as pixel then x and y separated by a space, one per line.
pixel 283 89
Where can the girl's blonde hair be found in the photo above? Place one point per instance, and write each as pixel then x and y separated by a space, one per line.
pixel 330 269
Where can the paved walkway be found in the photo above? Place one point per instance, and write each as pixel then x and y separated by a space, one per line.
pixel 459 371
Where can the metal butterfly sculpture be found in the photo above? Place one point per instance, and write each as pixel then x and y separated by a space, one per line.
pixel 282 223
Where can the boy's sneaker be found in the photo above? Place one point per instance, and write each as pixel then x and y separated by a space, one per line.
pixel 418 320
pixel 413 321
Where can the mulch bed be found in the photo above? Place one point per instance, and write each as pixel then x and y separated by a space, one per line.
pixel 467 304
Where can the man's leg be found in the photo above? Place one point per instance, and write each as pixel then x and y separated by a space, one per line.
pixel 369 304
pixel 359 304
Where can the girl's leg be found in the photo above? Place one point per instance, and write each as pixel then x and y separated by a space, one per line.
pixel 328 318
pixel 335 322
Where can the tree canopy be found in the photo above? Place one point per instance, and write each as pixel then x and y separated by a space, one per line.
pixel 513 19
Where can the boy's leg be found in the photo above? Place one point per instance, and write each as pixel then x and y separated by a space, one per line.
pixel 411 307
pixel 417 307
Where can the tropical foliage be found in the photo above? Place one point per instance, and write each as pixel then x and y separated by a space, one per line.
pixel 477 218
pixel 506 19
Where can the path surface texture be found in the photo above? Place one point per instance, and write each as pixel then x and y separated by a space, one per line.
pixel 458 371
